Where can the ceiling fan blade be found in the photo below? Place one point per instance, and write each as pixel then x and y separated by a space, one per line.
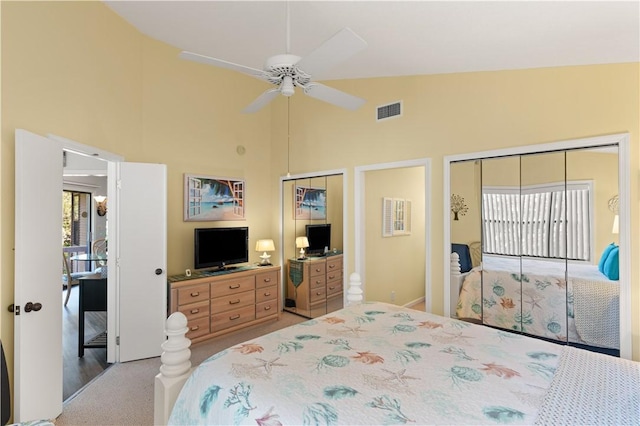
pixel 262 100
pixel 253 72
pixel 333 96
pixel 335 50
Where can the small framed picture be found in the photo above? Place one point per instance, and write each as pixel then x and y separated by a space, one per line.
pixel 210 198
pixel 310 202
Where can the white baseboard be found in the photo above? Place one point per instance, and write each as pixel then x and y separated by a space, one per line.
pixel 414 302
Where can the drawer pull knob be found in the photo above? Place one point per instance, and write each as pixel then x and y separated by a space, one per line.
pixel 195 328
pixel 195 311
pixel 318 270
pixel 196 294
pixel 266 308
pixel 332 266
pixel 331 288
pixel 233 287
pixel 318 293
pixel 331 277
pixel 235 317
pixel 267 293
pixel 234 302
pixel 267 280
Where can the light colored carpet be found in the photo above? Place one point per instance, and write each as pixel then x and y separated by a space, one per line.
pixel 123 394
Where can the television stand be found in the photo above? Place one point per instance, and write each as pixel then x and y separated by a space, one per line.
pixel 225 301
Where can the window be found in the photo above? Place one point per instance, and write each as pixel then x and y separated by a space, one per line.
pixel 548 221
pixel 75 218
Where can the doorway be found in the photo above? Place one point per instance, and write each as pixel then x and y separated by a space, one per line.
pixel 82 226
pixel 137 311
pixel 410 181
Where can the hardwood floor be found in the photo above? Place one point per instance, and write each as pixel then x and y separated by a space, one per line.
pixel 77 372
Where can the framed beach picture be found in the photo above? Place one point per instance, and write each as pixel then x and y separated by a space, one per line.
pixel 210 198
pixel 310 203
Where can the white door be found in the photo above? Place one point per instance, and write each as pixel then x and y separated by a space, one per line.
pixel 38 271
pixel 38 263
pixel 141 224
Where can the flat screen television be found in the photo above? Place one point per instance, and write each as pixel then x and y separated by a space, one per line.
pixel 319 237
pixel 219 247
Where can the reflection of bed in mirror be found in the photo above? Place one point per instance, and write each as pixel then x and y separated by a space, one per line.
pixel 580 307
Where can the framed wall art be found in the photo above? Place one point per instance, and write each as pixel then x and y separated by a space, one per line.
pixel 210 198
pixel 310 202
pixel 396 217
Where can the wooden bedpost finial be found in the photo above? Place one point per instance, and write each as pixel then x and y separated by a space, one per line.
pixel 354 295
pixel 455 264
pixel 176 353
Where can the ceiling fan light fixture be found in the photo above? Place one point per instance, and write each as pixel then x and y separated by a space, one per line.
pixel 287 88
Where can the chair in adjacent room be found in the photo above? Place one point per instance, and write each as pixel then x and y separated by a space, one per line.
pixel 69 279
pixel 99 247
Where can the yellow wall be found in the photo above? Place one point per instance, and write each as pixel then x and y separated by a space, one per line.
pixel 77 70
pixel 394 264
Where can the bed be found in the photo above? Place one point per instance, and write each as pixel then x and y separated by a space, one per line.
pixel 376 363
pixel 541 301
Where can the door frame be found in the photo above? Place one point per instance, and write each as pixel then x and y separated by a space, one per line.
pixel 359 215
pixel 109 157
pixel 624 193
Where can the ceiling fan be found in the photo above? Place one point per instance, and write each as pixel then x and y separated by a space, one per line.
pixel 287 71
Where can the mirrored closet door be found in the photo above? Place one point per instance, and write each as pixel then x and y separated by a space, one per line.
pixel 312 226
pixel 530 231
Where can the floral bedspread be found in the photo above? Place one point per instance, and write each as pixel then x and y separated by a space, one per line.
pixel 537 305
pixel 545 304
pixel 369 364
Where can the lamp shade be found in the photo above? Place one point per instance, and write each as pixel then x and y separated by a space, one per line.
pixel 302 242
pixel 616 225
pixel 265 245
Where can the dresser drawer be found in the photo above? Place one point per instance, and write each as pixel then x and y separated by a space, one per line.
pixel 334 275
pixel 317 268
pixel 334 265
pixel 198 327
pixel 267 279
pixel 317 282
pixel 192 294
pixel 317 294
pixel 266 293
pixel 195 310
pixel 266 308
pixel 334 288
pixel 223 320
pixel 233 301
pixel 233 286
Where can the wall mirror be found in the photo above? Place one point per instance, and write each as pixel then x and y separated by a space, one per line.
pixel 531 241
pixel 312 243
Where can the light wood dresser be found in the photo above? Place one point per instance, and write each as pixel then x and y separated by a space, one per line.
pixel 315 285
pixel 220 302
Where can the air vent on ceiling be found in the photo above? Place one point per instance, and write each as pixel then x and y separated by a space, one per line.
pixel 386 112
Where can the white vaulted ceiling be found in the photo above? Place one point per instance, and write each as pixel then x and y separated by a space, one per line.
pixel 404 37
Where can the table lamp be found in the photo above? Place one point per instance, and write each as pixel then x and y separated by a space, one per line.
pixel 302 243
pixel 265 246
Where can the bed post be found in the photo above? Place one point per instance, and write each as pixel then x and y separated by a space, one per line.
pixel 454 283
pixel 354 294
pixel 175 368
